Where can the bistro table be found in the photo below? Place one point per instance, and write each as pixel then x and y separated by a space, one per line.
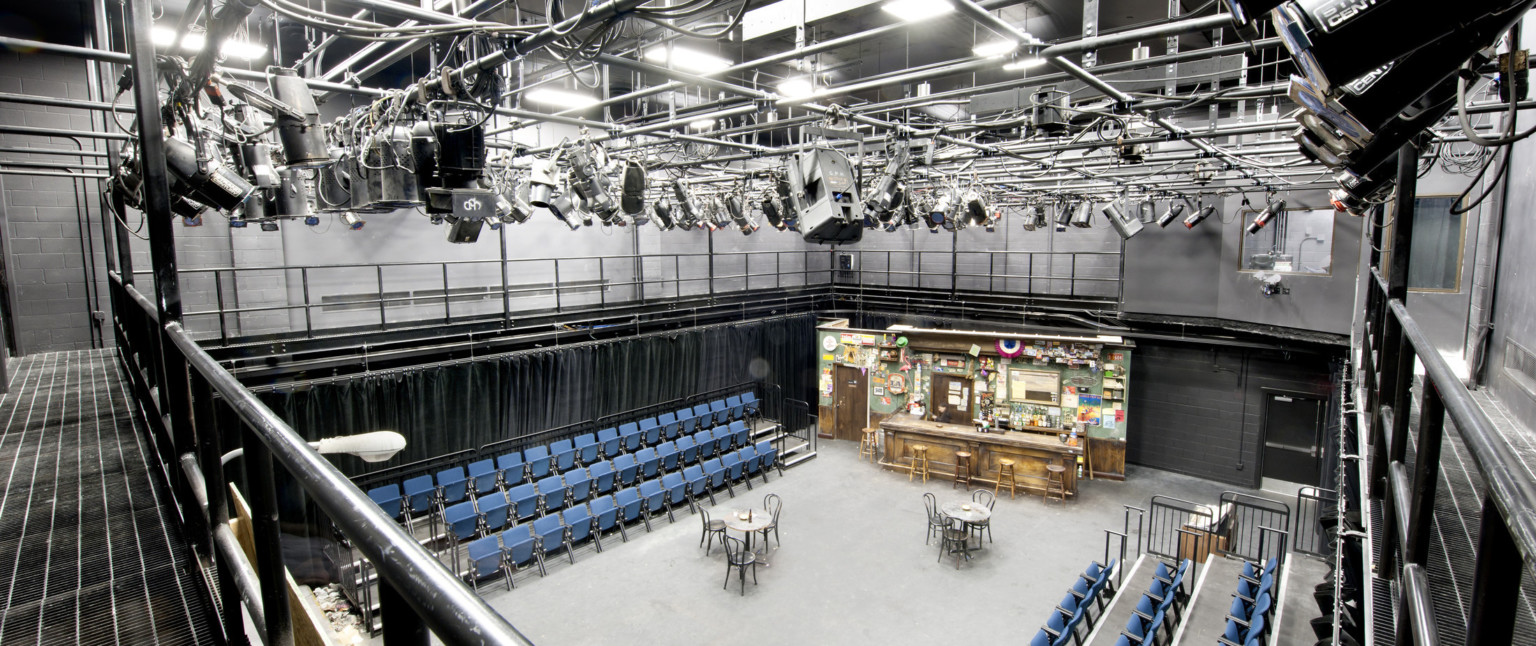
pixel 753 522
pixel 969 512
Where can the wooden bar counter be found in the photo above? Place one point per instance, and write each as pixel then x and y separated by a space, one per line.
pixel 1030 452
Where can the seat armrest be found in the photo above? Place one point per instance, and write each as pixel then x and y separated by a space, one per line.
pixel 1134 638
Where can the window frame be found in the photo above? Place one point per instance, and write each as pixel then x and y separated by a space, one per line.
pixel 1246 215
pixel 1461 245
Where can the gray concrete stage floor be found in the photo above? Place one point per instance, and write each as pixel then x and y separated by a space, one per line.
pixel 853 568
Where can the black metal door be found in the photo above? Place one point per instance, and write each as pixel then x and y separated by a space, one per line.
pixel 1293 428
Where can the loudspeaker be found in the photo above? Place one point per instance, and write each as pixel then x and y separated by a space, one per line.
pixel 825 196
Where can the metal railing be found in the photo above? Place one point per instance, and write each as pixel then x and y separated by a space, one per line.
pixel 1313 505
pixel 1245 521
pixel 196 411
pixel 1168 528
pixel 1388 343
pixel 309 299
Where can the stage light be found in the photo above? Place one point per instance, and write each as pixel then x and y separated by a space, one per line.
pixel 236 223
pixel 268 225
pixel 1123 224
pixel 737 208
pixel 917 10
pixel 632 200
pixel 1174 211
pixel 663 210
pixel 687 211
pixel 995 48
pixel 518 208
pixel 256 158
pixel 303 140
pixel 1082 218
pixel 589 181
pixel 797 87
pixel 1064 216
pixel 209 182
pixel 1270 212
pixel 194 42
pixel 565 210
pixel 387 168
pixel 1146 212
pixel 1033 218
pixel 770 205
pixel 541 181
pixel 688 59
pixel 352 220
pixel 561 98
pixel 312 220
pixel 292 200
pixel 974 207
pixel 887 192
pixel 1199 216
pixel 825 196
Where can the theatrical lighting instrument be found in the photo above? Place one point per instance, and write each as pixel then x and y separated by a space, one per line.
pixel 589 181
pixel 1270 212
pixel 387 168
pixel 942 210
pixel 663 210
pixel 352 220
pixel 541 180
pixel 1064 214
pixel 518 208
pixel 268 225
pixel 1034 217
pixel 292 200
pixel 300 133
pixel 737 208
pixel 975 207
pixel 256 160
pixel 770 205
pixel 1146 212
pixel 1174 211
pixel 825 196
pixel 885 196
pixel 1245 12
pixel 633 199
pixel 1082 217
pixel 1198 216
pixel 312 220
pixel 686 211
pixel 239 223
pixel 1123 224
pixel 564 209
pixel 207 181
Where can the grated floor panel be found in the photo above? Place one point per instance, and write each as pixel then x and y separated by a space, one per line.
pixel 87 554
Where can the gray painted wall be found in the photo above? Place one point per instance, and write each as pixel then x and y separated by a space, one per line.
pixel 1514 310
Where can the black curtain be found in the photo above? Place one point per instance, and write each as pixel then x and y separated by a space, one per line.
pixel 446 408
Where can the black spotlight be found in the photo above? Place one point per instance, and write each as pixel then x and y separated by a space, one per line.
pixel 1270 212
pixel 208 182
pixel 633 196
pixel 663 210
pixel 303 141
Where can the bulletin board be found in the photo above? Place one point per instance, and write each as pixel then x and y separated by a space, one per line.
pixel 1034 386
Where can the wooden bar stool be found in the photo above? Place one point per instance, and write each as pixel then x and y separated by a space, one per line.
pixel 962 469
pixel 919 462
pixel 1004 470
pixel 1056 482
pixel 868 446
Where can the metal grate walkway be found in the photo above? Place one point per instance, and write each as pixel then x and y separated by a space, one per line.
pixel 87 555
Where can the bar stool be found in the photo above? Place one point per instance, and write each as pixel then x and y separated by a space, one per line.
pixel 868 446
pixel 1004 470
pixel 1056 482
pixel 919 462
pixel 962 469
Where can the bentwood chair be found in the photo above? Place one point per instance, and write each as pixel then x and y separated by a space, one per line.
pixel 989 499
pixel 740 558
pixel 774 506
pixel 712 530
pixel 935 520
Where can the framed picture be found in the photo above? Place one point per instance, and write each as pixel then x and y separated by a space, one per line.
pixel 879 391
pixel 1034 386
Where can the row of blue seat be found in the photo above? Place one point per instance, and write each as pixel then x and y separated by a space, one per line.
pixel 1165 594
pixel 1248 617
pixel 504 551
pixel 421 495
pixel 1087 596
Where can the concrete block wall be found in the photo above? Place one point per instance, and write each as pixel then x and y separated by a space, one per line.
pixel 52 227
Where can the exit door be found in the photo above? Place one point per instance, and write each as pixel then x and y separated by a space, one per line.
pixel 1293 430
pixel 851 401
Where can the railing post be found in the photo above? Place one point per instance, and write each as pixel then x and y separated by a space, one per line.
pixel 1496 582
pixel 557 284
pixel 506 298
pixel 1426 471
pixel 265 529
pixel 378 271
pixel 309 322
pixel 402 627
pixel 213 419
pixel 218 293
pixel 602 284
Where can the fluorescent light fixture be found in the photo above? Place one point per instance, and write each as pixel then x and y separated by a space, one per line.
pixel 194 41
pixel 561 98
pixel 915 10
pixel 688 59
pixel 995 48
pixel 1024 63
pixel 796 87
pixel 702 124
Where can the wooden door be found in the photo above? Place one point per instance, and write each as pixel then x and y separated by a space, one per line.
pixel 850 403
pixel 950 400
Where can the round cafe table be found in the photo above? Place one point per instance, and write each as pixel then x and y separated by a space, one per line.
pixel 757 520
pixel 978 513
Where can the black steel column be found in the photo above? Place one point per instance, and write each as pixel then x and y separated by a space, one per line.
pixel 1496 584
pixel 266 531
pixel 402 626
pixel 1395 360
pixel 162 247
pixel 1426 477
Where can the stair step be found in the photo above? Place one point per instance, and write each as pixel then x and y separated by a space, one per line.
pixel 799 458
